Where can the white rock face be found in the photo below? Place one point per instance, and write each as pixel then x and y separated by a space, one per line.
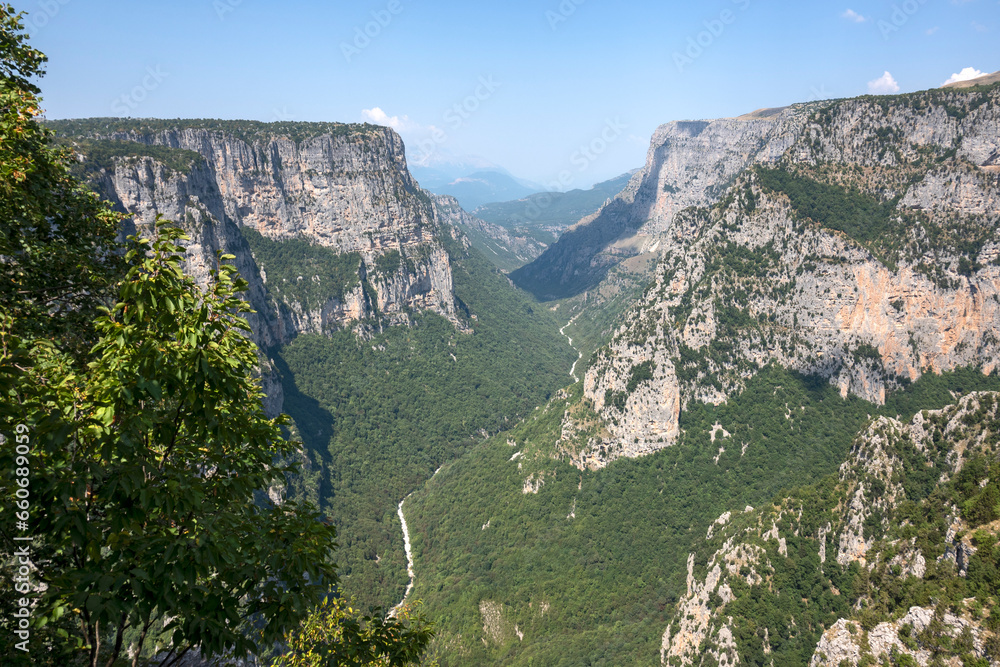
pixel 350 192
pixel 843 641
pixel 755 277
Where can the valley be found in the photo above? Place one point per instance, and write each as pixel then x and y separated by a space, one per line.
pixel 713 417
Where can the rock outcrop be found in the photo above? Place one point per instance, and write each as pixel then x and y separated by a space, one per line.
pixel 749 554
pixel 860 245
pixel 341 187
pixel 242 188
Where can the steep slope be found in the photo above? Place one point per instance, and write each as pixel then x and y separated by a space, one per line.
pixel 526 559
pixel 846 269
pixel 901 545
pixel 342 187
pixel 868 255
pixel 506 248
pixel 390 340
pixel 689 163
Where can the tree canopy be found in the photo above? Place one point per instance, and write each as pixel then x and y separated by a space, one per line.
pixel 140 479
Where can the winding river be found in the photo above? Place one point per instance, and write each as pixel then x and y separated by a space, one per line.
pixel 572 371
pixel 399 509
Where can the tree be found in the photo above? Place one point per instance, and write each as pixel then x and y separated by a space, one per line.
pixel 57 239
pixel 132 432
pixel 336 634
pixel 154 461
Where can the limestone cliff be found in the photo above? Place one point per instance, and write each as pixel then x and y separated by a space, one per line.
pixel 689 163
pixel 325 222
pixel 864 251
pixel 341 187
pixel 775 578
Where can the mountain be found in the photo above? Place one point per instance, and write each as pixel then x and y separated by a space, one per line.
pixel 479 187
pixel 754 423
pixel 390 340
pixel 507 248
pixel 689 163
pixel 555 210
pixel 985 80
pixel 896 556
pixel 818 277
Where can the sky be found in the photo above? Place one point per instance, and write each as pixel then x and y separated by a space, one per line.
pixel 565 93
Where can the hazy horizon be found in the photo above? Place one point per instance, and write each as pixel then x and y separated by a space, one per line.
pixel 542 89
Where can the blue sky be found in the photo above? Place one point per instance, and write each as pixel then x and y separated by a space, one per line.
pixel 545 88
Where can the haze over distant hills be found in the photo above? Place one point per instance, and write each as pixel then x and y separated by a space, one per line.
pixel 473 187
pixel 775 312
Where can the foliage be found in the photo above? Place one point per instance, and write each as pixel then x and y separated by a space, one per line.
pixel 57 241
pixel 104 154
pixel 608 576
pixel 379 414
pixel 858 215
pixel 147 467
pixel 336 634
pixel 246 130
pixel 302 272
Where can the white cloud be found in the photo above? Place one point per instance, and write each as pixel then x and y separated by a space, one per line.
pixel 852 15
pixel 931 31
pixel 378 117
pixel 884 85
pixel 966 74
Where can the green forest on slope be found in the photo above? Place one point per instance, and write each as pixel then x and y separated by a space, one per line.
pixel 598 588
pixel 803 596
pixel 379 414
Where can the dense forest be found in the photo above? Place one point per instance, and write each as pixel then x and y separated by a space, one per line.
pixel 380 413
pixel 570 566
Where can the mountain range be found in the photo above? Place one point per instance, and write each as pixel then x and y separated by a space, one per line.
pixel 742 410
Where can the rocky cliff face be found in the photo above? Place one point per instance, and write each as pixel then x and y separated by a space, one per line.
pixel 855 532
pixel 689 163
pixel 504 247
pixel 867 254
pixel 341 187
pixel 324 220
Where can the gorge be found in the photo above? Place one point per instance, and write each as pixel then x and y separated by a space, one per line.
pixel 794 412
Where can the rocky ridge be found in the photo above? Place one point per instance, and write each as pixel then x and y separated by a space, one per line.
pixel 768 275
pixel 341 187
pixel 854 531
pixel 689 163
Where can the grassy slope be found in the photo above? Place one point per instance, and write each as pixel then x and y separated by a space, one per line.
pixel 378 416
pixel 610 574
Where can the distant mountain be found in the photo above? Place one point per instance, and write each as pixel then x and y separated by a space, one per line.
pixel 476 188
pixel 983 80
pixel 559 209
